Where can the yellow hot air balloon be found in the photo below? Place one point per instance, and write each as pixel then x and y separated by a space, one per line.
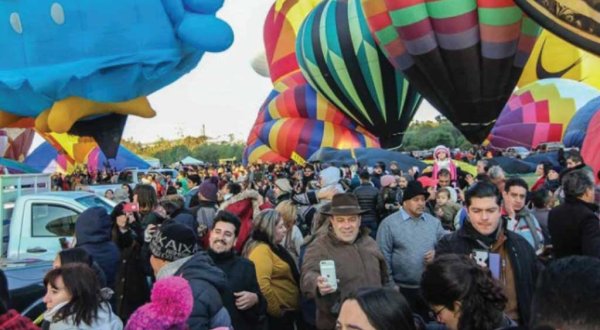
pixel 553 57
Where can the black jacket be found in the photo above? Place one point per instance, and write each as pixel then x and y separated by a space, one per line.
pixel 575 229
pixel 522 258
pixel 367 194
pixel 241 276
pixel 131 288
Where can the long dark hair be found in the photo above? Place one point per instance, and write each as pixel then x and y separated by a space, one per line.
pixel 386 309
pixel 146 198
pixel 451 278
pixel 81 282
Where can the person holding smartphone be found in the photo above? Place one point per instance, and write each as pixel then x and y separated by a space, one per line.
pixel 131 287
pixel 341 260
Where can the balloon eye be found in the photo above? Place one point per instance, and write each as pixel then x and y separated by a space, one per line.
pixel 15 22
pixel 57 13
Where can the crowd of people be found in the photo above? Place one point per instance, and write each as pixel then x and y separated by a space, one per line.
pixel 284 246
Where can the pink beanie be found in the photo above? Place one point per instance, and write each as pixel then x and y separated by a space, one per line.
pixel 170 306
pixel 387 180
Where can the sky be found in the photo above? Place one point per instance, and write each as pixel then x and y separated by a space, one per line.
pixel 223 92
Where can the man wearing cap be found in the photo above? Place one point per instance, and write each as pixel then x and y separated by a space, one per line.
pixel 407 240
pixel 358 261
pixel 173 252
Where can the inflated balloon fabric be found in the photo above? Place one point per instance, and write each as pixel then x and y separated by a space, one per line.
pixel 299 120
pixel 540 113
pixel 464 56
pixel 341 60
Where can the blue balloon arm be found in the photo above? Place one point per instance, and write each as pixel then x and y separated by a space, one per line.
pixel 205 32
pixel 197 26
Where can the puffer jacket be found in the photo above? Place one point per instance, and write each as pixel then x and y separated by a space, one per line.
pixel 212 295
pixel 367 194
pixel 93 233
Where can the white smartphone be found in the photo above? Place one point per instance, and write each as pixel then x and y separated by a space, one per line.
pixel 328 271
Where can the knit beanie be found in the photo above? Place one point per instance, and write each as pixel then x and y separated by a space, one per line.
pixel 387 180
pixel 208 190
pixel 173 241
pixel 169 308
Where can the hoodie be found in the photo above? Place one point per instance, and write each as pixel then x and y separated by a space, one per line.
pixel 210 289
pixel 93 231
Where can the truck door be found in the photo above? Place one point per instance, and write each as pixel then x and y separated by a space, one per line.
pixel 49 223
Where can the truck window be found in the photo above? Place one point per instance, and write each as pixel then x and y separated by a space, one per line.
pixel 52 220
pixel 90 201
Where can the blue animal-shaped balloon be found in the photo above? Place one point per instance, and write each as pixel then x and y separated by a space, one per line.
pixel 63 61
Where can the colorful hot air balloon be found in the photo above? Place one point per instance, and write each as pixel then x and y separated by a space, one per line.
pixel 539 113
pixel 299 120
pixel 340 59
pixel 578 126
pixel 552 57
pixel 280 30
pixel 576 21
pixel 464 56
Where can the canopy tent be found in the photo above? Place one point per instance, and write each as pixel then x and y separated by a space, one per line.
pixel 47 159
pixel 9 166
pixel 191 161
pixel 512 165
pixel 364 156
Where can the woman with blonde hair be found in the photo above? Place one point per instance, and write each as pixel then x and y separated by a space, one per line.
pixel 293 239
pixel 276 270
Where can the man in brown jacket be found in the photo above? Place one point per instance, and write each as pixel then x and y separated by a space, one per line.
pixel 358 260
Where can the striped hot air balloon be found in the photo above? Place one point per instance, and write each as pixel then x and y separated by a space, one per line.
pixel 340 59
pixel 279 33
pixel 464 56
pixel 299 120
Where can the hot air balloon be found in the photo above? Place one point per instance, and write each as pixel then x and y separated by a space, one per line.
pixel 552 57
pixel 591 145
pixel 299 120
pixel 70 62
pixel 465 57
pixel 573 20
pixel 15 142
pixel 280 30
pixel 539 113
pixel 578 126
pixel 341 60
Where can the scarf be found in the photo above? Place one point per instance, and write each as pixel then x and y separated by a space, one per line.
pixel 280 251
pixel 485 240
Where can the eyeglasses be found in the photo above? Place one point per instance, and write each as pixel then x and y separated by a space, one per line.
pixel 435 314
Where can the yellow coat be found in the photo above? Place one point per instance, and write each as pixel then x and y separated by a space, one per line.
pixel 275 279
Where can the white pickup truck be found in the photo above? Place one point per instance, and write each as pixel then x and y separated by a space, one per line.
pixel 34 219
